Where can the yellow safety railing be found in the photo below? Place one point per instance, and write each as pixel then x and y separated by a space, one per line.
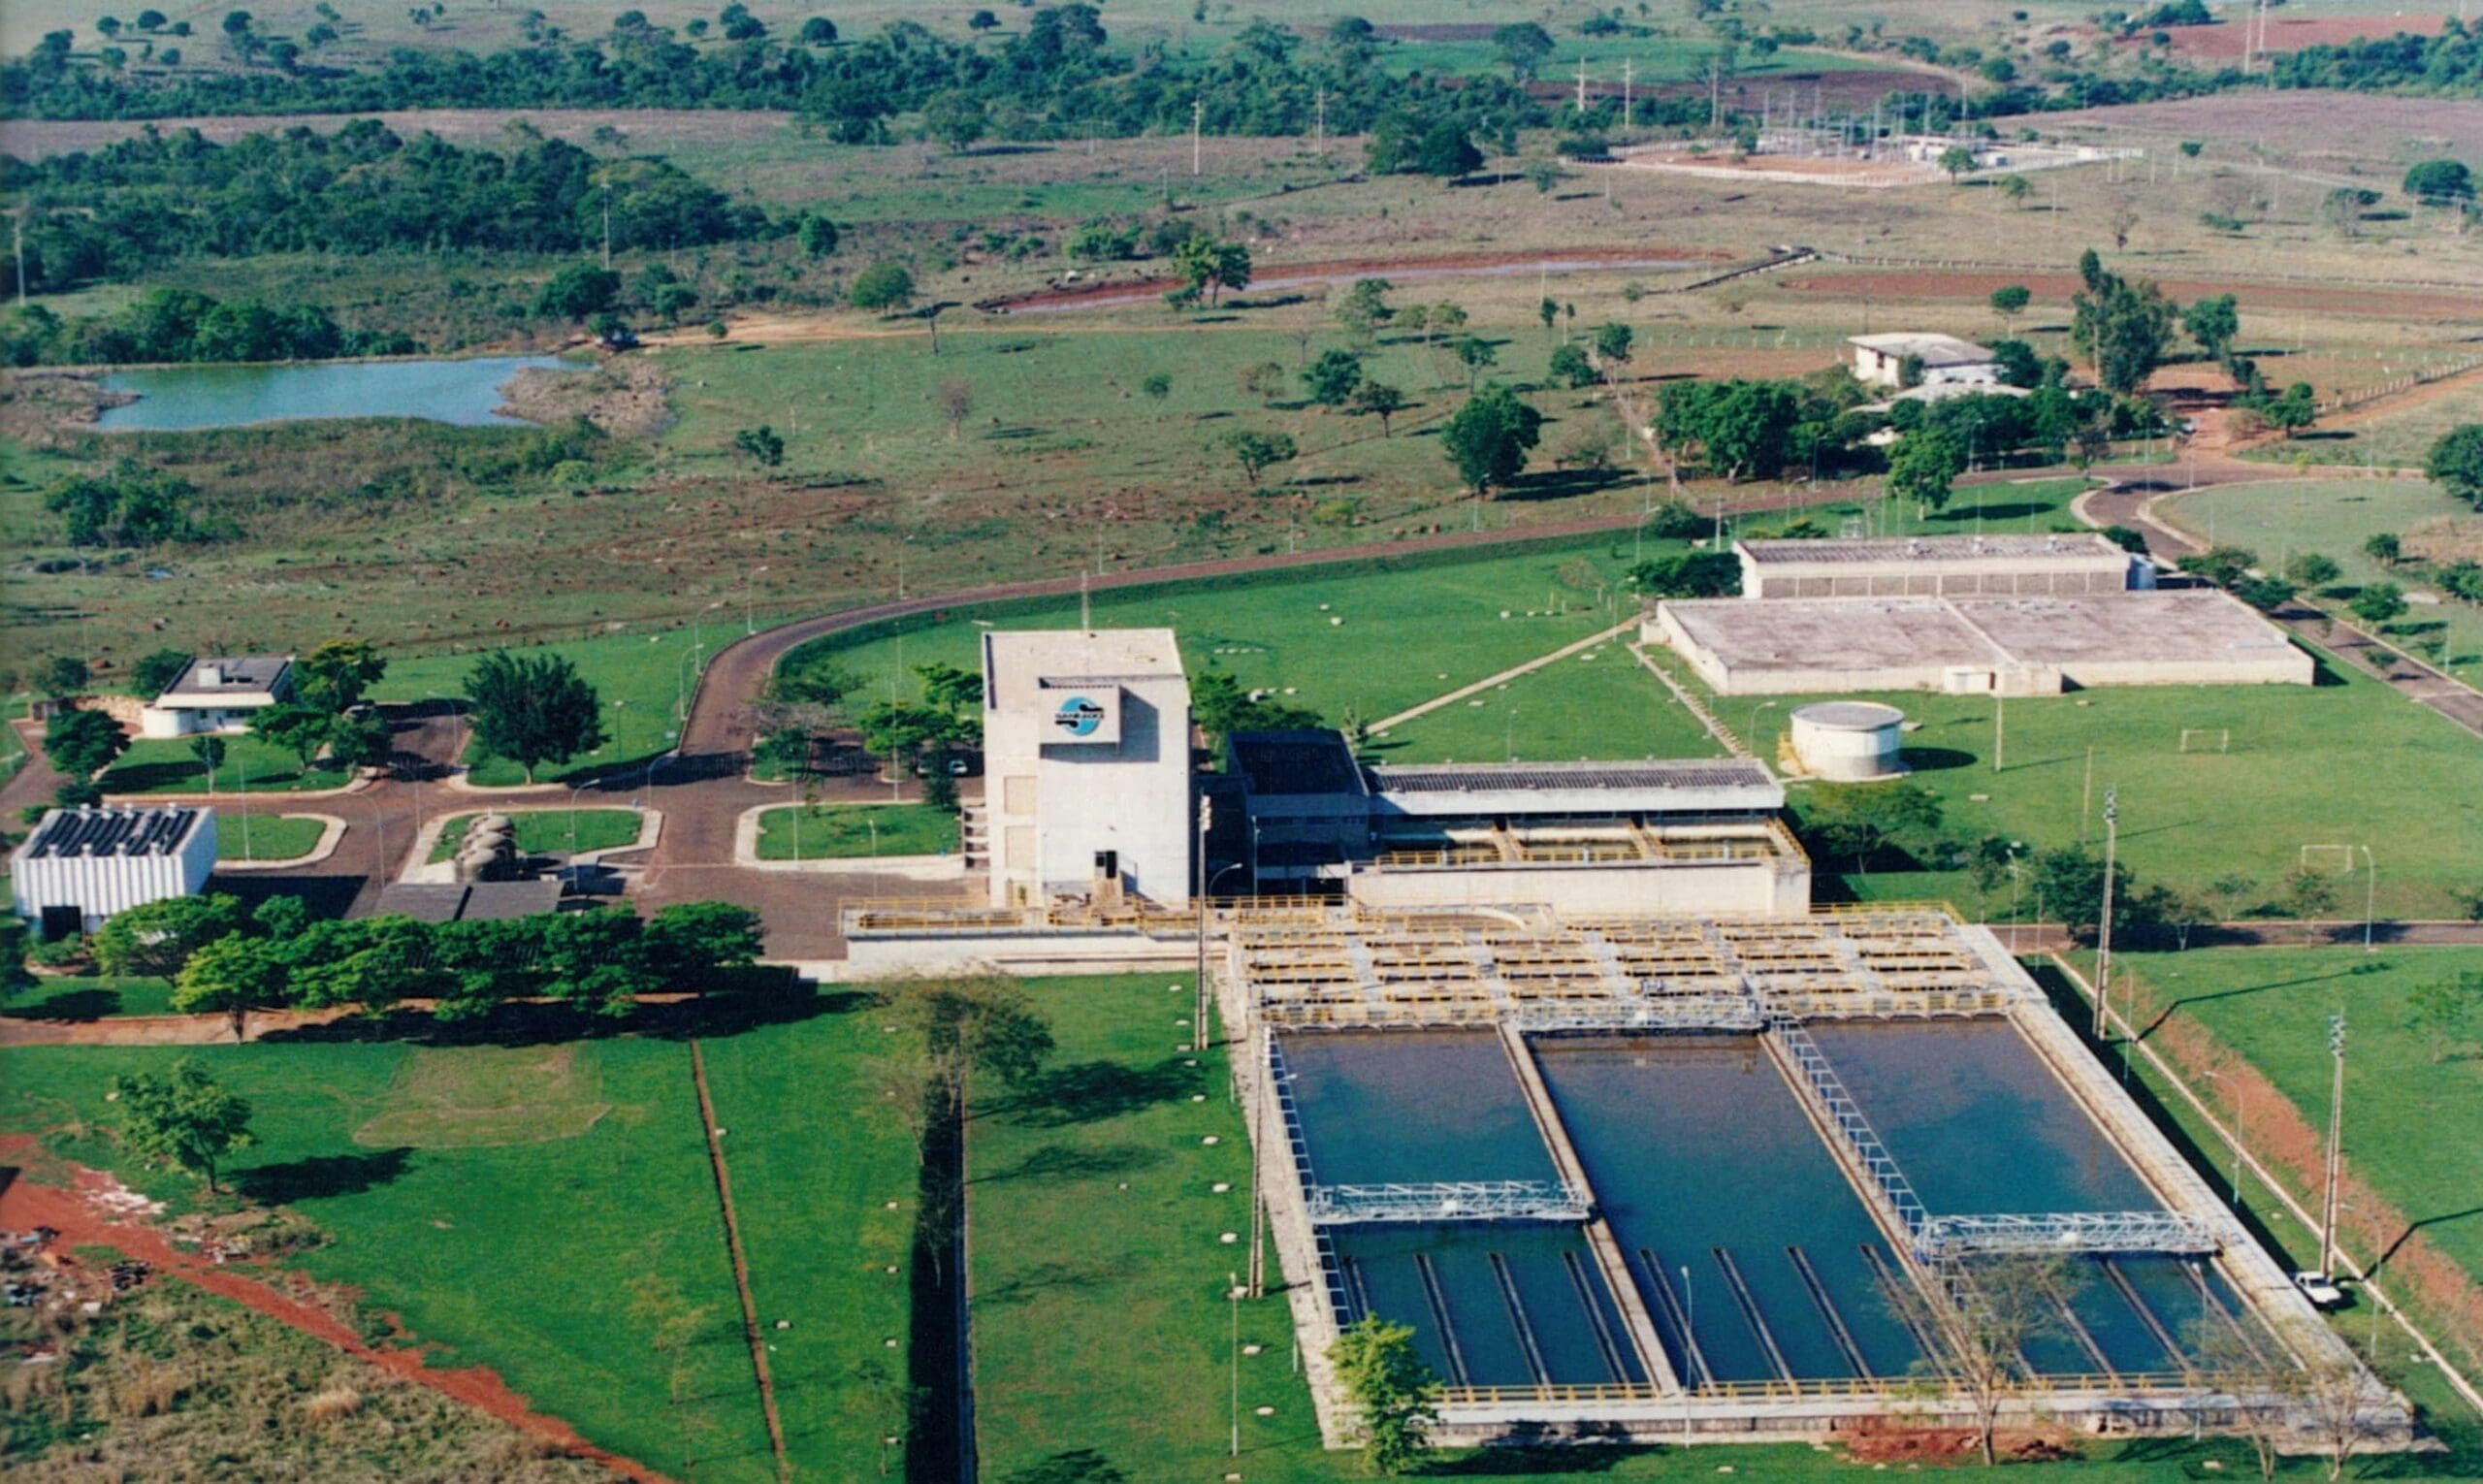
pixel 1830 1388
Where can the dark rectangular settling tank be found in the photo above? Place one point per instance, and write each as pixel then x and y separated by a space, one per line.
pixel 1411 1106
pixel 1701 1157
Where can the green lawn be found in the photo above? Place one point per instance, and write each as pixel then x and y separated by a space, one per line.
pixel 1408 631
pixel 13 747
pixel 2391 436
pixel 266 837
pixel 641 678
pixel 1100 1317
pixel 548 1210
pixel 1607 706
pixel 90 997
pixel 839 831
pixel 2334 517
pixel 252 765
pixel 2273 1005
pixel 2345 761
pixel 551 832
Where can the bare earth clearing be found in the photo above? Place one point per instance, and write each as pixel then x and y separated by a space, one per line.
pixel 2226 42
pixel 2306 125
pixel 2058 287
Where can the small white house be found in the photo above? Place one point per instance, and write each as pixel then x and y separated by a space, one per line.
pixel 218 693
pixel 1880 359
pixel 81 865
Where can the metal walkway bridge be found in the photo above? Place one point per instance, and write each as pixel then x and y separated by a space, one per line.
pixel 1548 1201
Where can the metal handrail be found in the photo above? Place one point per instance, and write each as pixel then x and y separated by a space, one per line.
pixel 1556 1200
pixel 1874 1388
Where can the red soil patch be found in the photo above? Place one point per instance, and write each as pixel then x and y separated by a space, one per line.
pixel 24 1204
pixel 2057 288
pixel 1878 1441
pixel 2227 41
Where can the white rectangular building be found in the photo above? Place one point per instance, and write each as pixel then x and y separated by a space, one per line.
pixel 81 865
pixel 1087 761
pixel 1881 360
pixel 218 693
pixel 2052 564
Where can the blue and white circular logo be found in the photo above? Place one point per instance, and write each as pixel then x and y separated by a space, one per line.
pixel 1079 717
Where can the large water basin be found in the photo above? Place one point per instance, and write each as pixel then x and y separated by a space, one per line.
pixel 1739 1226
pixel 1411 1106
pixel 466 393
pixel 1490 1304
pixel 1977 1121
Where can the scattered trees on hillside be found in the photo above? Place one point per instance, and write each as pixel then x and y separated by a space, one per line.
pixel 1207 266
pixel 82 743
pixel 2440 182
pixel 882 285
pixel 129 506
pixel 1256 451
pixel 2124 328
pixel 2455 463
pixel 1489 437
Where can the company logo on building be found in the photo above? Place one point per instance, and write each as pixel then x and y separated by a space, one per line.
pixel 1079 717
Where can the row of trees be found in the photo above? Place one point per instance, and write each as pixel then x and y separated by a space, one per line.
pixel 128 207
pixel 224 958
pixel 175 324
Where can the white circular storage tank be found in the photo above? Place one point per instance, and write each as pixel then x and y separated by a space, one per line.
pixel 1848 741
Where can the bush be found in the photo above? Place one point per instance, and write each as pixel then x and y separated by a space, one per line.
pixel 882 287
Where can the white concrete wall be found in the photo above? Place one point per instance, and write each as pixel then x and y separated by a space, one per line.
pixel 1759 884
pixel 1131 797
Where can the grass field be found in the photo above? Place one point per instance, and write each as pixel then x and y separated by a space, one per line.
pixel 252 765
pixel 2334 518
pixel 1103 1334
pixel 549 1212
pixel 1607 706
pixel 266 837
pixel 845 830
pixel 2273 1005
pixel 2390 435
pixel 2346 760
pixel 640 677
pixel 551 832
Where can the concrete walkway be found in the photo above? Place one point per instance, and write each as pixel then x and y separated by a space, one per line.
pixel 1509 674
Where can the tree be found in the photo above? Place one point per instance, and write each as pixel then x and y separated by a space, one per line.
pixel 1570 365
pixel 1612 342
pixel 1957 160
pixel 362 742
pixel 1222 707
pixel 2440 182
pixel 2448 1013
pixel 2380 603
pixel 2385 548
pixel 232 974
pixel 1923 468
pixel 955 119
pixel 2295 409
pixel 2017 188
pixel 765 445
pixel 819 31
pixel 2311 569
pixel 2455 463
pixel 185 1118
pixel 1207 266
pixel 82 743
pixel 949 688
pixel 1489 437
pixel 1377 399
pixel 1255 451
pixel 897 730
pixel 1442 151
pixel 2003 1304
pixel 1523 45
pixel 2213 322
pixel 533 709
pixel 1365 308
pixel 1392 1392
pixel 64 676
pixel 209 750
pixel 816 235
pixel 155 673
pixel 1157 386
pixel 2223 566
pixel 2069 882
pixel 689 942
pixel 1332 378
pixel 2344 208
pixel 882 285
pixel 1861 820
pixel 158 938
pixel 1265 380
pixel 1475 354
pixel 983 20
pixel 1688 574
pixel 955 396
pixel 2124 328
pixel 333 677
pixel 299 730
pixel 577 291
pixel 2309 894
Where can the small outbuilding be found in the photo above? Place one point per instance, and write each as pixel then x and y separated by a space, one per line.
pixel 218 693
pixel 1881 360
pixel 1846 741
pixel 81 865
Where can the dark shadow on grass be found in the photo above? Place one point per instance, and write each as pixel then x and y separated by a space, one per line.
pixel 741 1002
pixel 2411 1227
pixel 322 1176
pixel 1564 484
pixel 2174 1007
pixel 1064 1162
pixel 1043 1279
pixel 1077 1465
pixel 1089 1091
pixel 1968 514
pixel 1525 1451
pixel 74 1005
pixel 327 897
pixel 1936 759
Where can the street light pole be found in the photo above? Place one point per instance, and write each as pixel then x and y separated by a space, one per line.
pixel 2335 1140
pixel 1233 1304
pixel 750 602
pixel 2370 895
pixel 1198 1013
pixel 2104 924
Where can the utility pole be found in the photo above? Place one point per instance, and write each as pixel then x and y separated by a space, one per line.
pixel 2104 923
pixel 1628 115
pixel 2336 1143
pixel 607 226
pixel 1999 737
pixel 1715 93
pixel 1198 1018
pixel 1198 117
pixel 19 224
pixel 1582 83
pixel 1319 129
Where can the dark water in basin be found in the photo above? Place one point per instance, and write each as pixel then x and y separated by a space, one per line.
pixel 1413 1105
pixel 1496 1288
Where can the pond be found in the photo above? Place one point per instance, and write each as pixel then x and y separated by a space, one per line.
pixel 466 393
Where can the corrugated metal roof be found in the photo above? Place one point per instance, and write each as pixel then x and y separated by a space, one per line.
pixel 1502 777
pixel 2082 546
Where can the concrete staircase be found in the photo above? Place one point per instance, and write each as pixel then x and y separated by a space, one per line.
pixel 974 835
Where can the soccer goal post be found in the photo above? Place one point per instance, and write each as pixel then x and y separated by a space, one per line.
pixel 2312 854
pixel 2207 739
